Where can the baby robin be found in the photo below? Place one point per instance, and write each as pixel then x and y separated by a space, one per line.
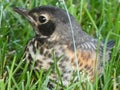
pixel 54 36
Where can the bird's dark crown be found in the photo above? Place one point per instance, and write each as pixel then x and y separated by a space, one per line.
pixel 53 12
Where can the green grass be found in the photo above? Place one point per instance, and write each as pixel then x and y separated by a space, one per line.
pixel 99 18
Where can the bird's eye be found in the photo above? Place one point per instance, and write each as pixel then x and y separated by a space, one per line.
pixel 42 19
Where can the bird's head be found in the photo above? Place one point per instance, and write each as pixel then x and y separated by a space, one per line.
pixel 49 21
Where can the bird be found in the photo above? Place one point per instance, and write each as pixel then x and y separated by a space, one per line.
pixel 54 40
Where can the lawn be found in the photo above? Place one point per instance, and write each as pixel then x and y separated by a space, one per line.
pixel 99 18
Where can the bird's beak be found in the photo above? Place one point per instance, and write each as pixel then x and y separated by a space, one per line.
pixel 24 13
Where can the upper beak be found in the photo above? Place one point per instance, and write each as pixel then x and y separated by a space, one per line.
pixel 24 13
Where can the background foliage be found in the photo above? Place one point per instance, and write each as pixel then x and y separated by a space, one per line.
pixel 99 18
